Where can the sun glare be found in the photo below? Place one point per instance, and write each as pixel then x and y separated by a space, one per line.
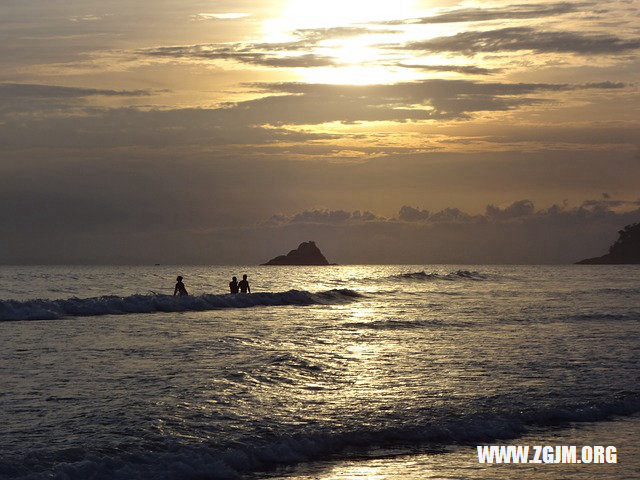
pixel 358 59
pixel 330 13
pixel 357 75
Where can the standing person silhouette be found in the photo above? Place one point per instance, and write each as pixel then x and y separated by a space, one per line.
pixel 244 285
pixel 180 290
pixel 233 285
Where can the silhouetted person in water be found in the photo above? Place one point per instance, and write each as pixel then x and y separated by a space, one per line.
pixel 244 285
pixel 233 285
pixel 180 290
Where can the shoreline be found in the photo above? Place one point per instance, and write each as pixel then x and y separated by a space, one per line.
pixel 461 463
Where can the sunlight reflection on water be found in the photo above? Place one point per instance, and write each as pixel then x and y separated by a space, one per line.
pixel 406 366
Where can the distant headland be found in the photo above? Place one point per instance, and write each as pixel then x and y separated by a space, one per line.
pixel 625 250
pixel 307 253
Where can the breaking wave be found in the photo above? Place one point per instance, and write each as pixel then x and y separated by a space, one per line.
pixel 457 275
pixel 241 458
pixel 11 310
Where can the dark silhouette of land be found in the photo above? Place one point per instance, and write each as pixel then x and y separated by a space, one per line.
pixel 307 253
pixel 625 250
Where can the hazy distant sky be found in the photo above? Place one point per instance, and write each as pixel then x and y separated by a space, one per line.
pixel 389 131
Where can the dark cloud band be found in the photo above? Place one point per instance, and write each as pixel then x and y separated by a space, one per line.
pixel 524 38
pixel 511 12
pixel 55 91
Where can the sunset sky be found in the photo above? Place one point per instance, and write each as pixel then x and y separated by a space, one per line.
pixel 396 132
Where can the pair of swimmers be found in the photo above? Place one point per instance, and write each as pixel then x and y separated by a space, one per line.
pixel 242 286
pixel 234 286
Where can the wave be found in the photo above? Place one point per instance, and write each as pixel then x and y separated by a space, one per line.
pixel 601 316
pixel 12 310
pixel 239 459
pixel 393 324
pixel 440 322
pixel 609 290
pixel 423 276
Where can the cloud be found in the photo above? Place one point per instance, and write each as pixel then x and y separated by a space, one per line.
pixel 410 214
pixel 84 18
pixel 93 128
pixel 466 69
pixel 450 215
pixel 134 204
pixel 308 60
pixel 35 99
pixel 515 39
pixel 324 216
pixel 220 16
pixel 317 35
pixel 446 215
pixel 516 233
pixel 555 236
pixel 12 90
pixel 426 89
pixel 607 203
pixel 267 54
pixel 519 209
pixel 520 11
pixel 422 100
pixel 247 54
pixel 69 123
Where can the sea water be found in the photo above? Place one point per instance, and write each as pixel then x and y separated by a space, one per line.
pixel 321 372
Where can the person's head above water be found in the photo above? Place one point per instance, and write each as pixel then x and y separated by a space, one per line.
pixel 179 279
pixel 244 277
pixel 235 279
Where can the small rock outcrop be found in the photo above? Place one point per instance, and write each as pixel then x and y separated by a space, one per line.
pixel 625 250
pixel 307 253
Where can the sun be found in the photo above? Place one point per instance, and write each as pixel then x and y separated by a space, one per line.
pixel 359 58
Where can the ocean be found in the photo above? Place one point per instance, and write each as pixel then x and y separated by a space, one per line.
pixel 339 372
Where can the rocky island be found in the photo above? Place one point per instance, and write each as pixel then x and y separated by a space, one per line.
pixel 307 253
pixel 625 250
